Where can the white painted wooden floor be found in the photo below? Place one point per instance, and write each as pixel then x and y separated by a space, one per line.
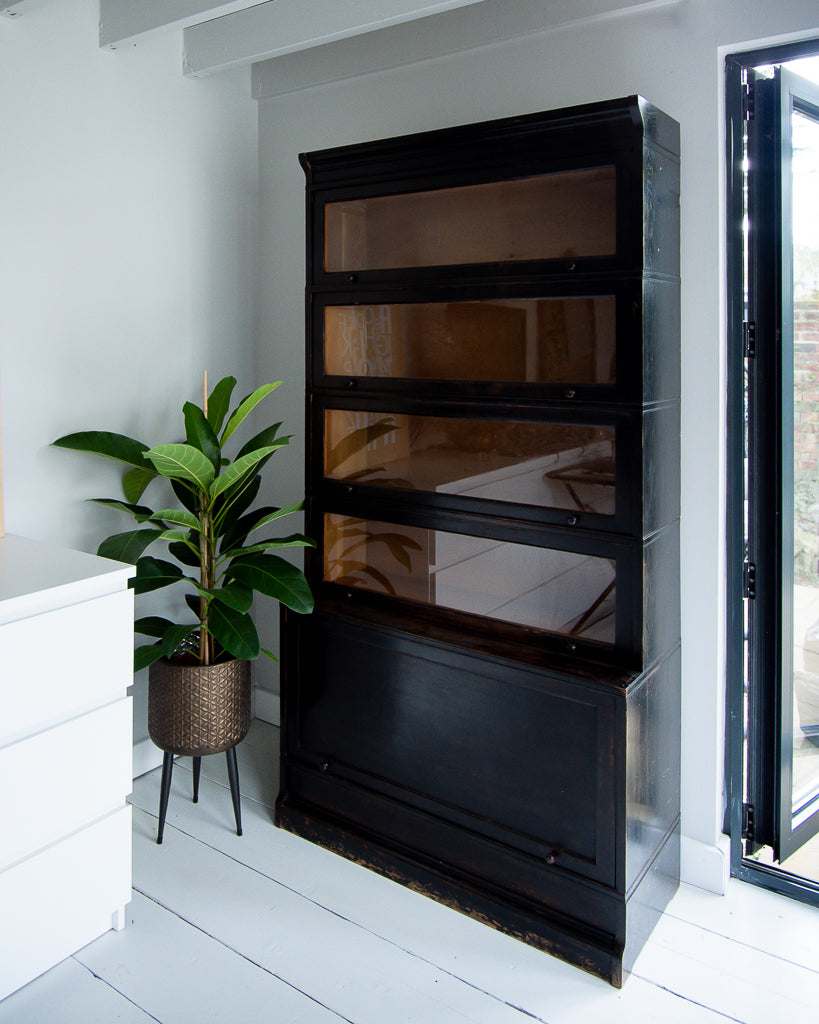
pixel 268 929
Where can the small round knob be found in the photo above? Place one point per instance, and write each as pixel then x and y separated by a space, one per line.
pixel 552 858
pixel 348 488
pixel 324 766
pixel 352 278
pixel 351 382
pixel 572 520
pixel 570 392
pixel 571 648
pixel 571 265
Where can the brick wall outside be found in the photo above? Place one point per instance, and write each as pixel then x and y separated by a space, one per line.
pixel 806 437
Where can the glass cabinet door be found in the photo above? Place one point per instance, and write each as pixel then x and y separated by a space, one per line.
pixel 562 215
pixel 545 464
pixel 566 592
pixel 562 340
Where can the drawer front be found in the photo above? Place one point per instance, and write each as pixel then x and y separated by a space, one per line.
pixel 518 756
pixel 63 663
pixel 60 900
pixel 60 780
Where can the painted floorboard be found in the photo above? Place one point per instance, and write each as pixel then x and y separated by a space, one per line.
pixel 268 928
pixel 514 974
pixel 732 977
pixel 755 917
pixel 355 973
pixel 178 973
pixel 70 994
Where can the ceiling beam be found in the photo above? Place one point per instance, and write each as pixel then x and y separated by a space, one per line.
pixel 287 26
pixel 449 32
pixel 123 21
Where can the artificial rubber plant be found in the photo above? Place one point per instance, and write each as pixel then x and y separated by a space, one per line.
pixel 208 535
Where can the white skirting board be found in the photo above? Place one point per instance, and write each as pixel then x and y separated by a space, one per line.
pixel 707 867
pixel 267 706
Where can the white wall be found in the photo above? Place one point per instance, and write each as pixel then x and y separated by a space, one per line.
pixel 670 54
pixel 128 208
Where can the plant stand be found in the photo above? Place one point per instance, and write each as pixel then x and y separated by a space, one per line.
pixel 165 787
pixel 196 710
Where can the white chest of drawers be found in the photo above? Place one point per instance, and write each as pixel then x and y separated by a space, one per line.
pixel 66 650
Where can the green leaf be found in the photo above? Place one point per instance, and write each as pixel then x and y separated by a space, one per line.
pixel 275 577
pixel 154 573
pixel 178 517
pixel 174 536
pixel 152 625
pixel 135 481
pixel 231 504
pixel 182 462
pixel 174 636
pixel 110 446
pixel 219 402
pixel 140 512
pixel 271 515
pixel 200 434
pixel 127 547
pixel 263 439
pixel 185 495
pixel 235 533
pixel 182 553
pixel 245 407
pixel 234 595
pixel 234 631
pixel 294 540
pixel 269 654
pixel 147 655
pixel 237 470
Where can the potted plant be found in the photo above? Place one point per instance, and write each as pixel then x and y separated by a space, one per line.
pixel 199 680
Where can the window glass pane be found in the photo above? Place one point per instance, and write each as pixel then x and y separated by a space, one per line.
pixel 563 340
pixel 805 233
pixel 547 464
pixel 560 591
pixel 564 215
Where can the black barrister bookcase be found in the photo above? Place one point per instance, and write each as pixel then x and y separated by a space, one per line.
pixel 485 704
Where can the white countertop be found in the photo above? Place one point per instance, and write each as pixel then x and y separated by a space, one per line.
pixel 37 577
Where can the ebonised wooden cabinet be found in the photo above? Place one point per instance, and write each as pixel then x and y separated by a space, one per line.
pixel 485 704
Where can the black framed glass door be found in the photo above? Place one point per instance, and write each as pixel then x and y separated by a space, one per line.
pixel 781 571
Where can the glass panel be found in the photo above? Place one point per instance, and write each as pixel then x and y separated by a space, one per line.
pixel 805 184
pixel 560 591
pixel 562 215
pixel 549 341
pixel 548 464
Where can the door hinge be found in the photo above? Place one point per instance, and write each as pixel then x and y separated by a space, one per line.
pixel 749 580
pixel 748 822
pixel 749 339
pixel 748 104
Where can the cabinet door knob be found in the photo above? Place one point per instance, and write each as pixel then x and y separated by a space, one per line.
pixel 572 520
pixel 552 858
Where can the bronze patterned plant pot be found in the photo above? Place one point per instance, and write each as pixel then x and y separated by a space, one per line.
pixel 198 709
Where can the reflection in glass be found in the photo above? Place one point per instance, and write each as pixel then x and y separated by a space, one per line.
pixel 560 591
pixel 563 215
pixel 546 464
pixel 805 228
pixel 549 341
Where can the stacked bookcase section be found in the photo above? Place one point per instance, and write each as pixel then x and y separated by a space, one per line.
pixel 485 704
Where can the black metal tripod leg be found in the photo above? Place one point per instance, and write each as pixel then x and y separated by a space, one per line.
pixel 164 793
pixel 197 768
pixel 233 778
